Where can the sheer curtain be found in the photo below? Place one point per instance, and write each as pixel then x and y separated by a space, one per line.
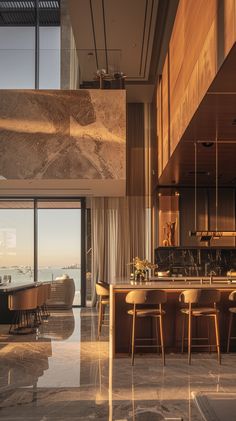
pixel 118 234
pixel 120 226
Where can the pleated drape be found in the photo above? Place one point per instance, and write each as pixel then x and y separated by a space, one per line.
pixel 118 234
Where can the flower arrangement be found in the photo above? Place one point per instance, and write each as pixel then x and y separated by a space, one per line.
pixel 141 268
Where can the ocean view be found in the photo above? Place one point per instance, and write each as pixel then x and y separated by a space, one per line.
pixel 44 274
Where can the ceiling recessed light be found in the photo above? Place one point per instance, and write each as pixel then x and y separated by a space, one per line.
pixel 207 144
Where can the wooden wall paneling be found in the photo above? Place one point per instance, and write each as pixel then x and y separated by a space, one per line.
pixel 159 128
pixel 207 62
pixel 176 77
pixel 165 111
pixel 194 55
pixel 199 16
pixel 135 160
pixel 176 47
pixel 192 99
pixel 228 17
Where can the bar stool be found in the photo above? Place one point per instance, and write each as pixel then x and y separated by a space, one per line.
pixel 102 290
pixel 24 303
pixel 201 303
pixel 232 310
pixel 149 299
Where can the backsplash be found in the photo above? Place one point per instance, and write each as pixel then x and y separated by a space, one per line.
pixel 195 261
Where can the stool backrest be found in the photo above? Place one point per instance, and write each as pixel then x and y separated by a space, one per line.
pixel 232 296
pixel 143 296
pixel 41 295
pixel 102 289
pixel 23 300
pixel 49 288
pixel 200 296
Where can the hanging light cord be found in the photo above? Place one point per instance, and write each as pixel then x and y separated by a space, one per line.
pixel 195 183
pixel 217 177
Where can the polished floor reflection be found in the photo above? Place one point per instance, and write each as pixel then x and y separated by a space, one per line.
pixel 64 373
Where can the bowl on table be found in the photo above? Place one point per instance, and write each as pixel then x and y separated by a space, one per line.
pixel 163 273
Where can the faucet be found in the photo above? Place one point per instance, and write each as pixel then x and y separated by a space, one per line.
pixel 212 273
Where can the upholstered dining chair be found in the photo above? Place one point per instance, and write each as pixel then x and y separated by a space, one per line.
pixel 24 305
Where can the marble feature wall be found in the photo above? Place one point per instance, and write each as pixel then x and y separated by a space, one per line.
pixel 196 261
pixel 77 134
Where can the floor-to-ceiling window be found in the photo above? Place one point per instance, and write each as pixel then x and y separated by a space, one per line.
pixel 30 44
pixel 41 240
pixel 59 242
pixel 17 239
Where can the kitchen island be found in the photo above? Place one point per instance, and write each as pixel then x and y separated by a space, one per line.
pixel 120 321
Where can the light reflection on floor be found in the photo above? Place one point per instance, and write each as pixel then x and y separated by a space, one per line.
pixel 65 374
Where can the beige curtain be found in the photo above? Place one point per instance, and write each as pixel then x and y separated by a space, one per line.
pixel 119 230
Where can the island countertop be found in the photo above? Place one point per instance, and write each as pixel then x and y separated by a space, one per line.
pixel 178 283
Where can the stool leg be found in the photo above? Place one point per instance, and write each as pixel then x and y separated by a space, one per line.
pixel 99 318
pixel 133 335
pixel 208 333
pixel 217 337
pixel 162 340
pixel 230 329
pixel 130 335
pixel 189 336
pixel 103 312
pixel 183 333
pixel 157 336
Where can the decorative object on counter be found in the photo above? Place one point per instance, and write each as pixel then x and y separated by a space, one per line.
pixel 231 272
pixel 141 269
pixel 163 273
pixel 169 234
pixel 169 220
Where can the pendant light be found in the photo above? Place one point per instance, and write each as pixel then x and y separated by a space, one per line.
pixel 206 235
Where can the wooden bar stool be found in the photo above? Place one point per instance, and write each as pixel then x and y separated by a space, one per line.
pixel 147 303
pixel 201 303
pixel 102 290
pixel 232 310
pixel 24 304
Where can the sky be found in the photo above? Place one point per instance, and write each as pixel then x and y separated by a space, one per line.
pixel 59 237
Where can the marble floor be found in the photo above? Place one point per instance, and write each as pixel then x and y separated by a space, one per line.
pixel 64 373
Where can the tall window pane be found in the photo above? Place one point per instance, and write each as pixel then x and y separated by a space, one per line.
pixel 49 57
pixel 59 242
pixel 17 57
pixel 17 240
